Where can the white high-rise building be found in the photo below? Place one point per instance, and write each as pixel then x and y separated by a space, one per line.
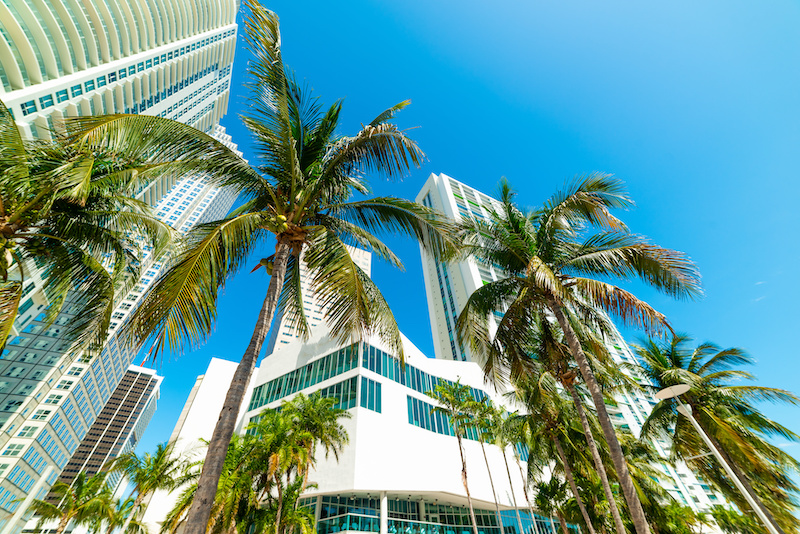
pixel 67 58
pixel 449 285
pixel 401 470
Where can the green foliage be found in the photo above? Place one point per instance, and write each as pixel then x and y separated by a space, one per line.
pixel 729 414
pixel 67 206
pixel 266 470
pixel 456 403
pixel 732 522
pixel 81 503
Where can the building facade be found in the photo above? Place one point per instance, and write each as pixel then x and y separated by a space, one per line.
pixel 69 58
pixel 449 285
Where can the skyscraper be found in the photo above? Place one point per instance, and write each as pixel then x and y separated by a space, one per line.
pixel 119 426
pixel 64 59
pixel 448 285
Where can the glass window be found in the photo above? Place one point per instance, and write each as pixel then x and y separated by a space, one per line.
pixel 140 66
pixel 89 86
pixel 62 95
pixel 101 81
pixel 148 63
pixel 112 77
pixel 40 414
pixel 131 70
pixel 13 449
pixel 28 107
pixel 76 90
pixel 122 73
pixel 27 431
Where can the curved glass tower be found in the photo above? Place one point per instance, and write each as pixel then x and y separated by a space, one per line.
pixel 69 58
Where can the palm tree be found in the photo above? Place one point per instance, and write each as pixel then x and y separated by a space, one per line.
pixel 550 499
pixel 547 424
pixel 120 511
pixel 80 503
pixel 554 355
pixel 162 470
pixel 550 256
pixel 317 419
pixel 507 435
pixel 302 196
pixel 733 522
pixel 483 421
pixel 68 206
pixel 236 494
pixel 455 401
pixel 729 415
pixel 516 435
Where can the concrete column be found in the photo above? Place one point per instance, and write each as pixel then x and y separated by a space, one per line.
pixel 318 509
pixel 421 510
pixel 384 513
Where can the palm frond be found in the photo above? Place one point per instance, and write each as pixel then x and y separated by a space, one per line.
pixel 10 294
pixel 354 307
pixel 399 216
pixel 291 298
pixel 380 147
pixel 622 305
pixel 180 309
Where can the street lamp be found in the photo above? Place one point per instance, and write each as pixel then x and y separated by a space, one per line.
pixel 675 392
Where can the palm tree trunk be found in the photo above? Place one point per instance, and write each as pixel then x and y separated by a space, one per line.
pixel 279 511
pixel 620 464
pixel 563 522
pixel 491 482
pixel 197 519
pixel 598 462
pixel 572 485
pixel 466 486
pixel 525 491
pixel 513 495
pixel 745 482
pixel 62 524
pixel 136 503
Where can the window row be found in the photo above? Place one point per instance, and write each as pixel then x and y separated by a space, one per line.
pixel 386 365
pixel 88 86
pixel 328 366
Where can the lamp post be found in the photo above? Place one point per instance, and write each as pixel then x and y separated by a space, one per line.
pixel 675 392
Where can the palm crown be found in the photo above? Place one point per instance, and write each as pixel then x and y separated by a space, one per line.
pixel 729 414
pixel 69 208
pixel 304 198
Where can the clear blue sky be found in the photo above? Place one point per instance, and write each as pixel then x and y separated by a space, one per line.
pixel 695 105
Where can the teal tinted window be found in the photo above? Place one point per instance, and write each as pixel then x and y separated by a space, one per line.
pixel 101 81
pixel 140 66
pixel 89 85
pixel 112 77
pixel 388 366
pixel 370 394
pixel 25 306
pixel 62 96
pixel 122 73
pixel 328 366
pixel 28 107
pixel 76 90
pixel 419 414
pixel 131 70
